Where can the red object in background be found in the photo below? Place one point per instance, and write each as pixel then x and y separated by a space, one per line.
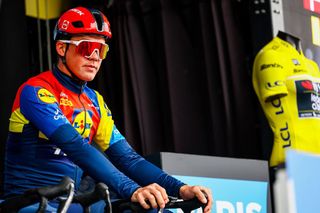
pixel 312 5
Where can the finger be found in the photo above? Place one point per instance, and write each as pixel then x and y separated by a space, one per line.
pixel 208 207
pixel 152 200
pixel 141 198
pixel 163 192
pixel 160 200
pixel 206 192
pixel 200 193
pixel 152 195
pixel 156 195
pixel 209 199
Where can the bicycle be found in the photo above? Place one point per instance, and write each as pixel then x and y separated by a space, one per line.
pixel 174 203
pixel 101 192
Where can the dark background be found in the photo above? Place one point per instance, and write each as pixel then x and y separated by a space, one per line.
pixel 177 77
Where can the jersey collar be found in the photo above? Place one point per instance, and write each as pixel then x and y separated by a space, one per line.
pixel 68 82
pixel 289 47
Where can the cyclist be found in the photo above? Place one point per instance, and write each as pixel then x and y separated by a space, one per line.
pixel 56 117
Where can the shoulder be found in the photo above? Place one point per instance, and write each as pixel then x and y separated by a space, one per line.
pixel 269 58
pixel 43 80
pixel 312 65
pixel 41 85
pixel 93 94
pixel 273 49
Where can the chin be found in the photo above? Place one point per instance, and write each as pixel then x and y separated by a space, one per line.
pixel 87 77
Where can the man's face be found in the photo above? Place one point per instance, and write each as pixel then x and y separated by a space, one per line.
pixel 84 67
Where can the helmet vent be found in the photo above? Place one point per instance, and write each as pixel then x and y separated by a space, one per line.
pixel 98 19
pixel 77 24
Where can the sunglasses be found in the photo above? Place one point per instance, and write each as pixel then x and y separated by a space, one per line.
pixel 87 48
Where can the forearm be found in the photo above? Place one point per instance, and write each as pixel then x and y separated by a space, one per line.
pixel 139 169
pixel 92 161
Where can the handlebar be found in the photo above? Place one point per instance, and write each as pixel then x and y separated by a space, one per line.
pixel 41 195
pixel 185 205
pixel 100 192
pixel 174 203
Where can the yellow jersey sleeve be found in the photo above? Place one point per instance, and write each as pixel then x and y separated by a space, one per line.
pixel 269 75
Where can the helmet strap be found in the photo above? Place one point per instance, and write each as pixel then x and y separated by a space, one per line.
pixel 73 76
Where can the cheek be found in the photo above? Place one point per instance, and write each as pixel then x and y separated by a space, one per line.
pixel 74 63
pixel 77 60
pixel 99 65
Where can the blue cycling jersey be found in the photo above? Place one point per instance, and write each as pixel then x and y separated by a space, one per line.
pixel 53 123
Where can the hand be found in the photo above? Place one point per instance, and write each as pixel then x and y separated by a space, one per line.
pixel 153 195
pixel 202 193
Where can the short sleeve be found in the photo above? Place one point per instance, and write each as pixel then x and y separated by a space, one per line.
pixel 270 71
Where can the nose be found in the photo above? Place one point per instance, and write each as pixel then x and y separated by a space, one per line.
pixel 94 55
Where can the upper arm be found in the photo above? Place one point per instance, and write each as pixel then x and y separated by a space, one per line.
pixel 41 108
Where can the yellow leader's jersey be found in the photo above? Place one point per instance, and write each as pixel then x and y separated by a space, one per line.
pixel 288 87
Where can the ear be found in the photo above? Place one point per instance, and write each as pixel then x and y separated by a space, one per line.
pixel 60 48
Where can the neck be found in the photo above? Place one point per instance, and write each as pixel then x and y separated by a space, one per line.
pixel 63 67
pixel 294 41
pixel 67 81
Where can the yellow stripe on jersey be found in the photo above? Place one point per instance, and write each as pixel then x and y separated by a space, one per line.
pixel 41 135
pixel 104 131
pixel 17 121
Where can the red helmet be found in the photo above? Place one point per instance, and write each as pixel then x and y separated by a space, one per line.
pixel 81 20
